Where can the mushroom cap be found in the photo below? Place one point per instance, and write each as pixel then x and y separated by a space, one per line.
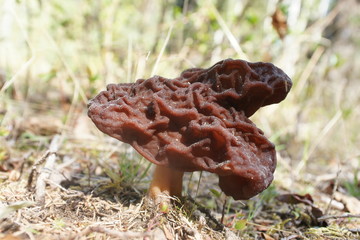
pixel 199 121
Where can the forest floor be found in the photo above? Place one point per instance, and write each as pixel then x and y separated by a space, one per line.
pixel 81 197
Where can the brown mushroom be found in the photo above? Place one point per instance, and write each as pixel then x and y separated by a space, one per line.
pixel 198 122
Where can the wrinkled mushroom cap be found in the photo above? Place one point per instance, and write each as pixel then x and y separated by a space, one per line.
pixel 199 121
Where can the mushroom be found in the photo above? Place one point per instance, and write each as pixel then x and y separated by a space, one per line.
pixel 198 122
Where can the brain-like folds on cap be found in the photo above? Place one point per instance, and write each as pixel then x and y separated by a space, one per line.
pixel 199 121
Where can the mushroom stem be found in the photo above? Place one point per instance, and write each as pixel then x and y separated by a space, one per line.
pixel 165 181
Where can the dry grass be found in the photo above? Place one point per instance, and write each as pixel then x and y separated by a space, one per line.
pixel 55 55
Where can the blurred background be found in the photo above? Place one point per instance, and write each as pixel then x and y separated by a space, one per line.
pixel 56 55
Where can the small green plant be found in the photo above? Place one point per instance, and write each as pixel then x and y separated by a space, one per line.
pixel 216 193
pixel 59 224
pixel 3 155
pixel 130 168
pixel 4 132
pixel 128 171
pixel 269 194
pixel 115 177
pixel 353 187
pixel 240 224
pixel 265 197
pixel 4 152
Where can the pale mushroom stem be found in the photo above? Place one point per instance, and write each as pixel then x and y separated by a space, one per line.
pixel 165 181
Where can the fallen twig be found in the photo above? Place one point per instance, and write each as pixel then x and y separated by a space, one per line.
pixel 34 172
pixel 333 192
pixel 114 233
pixel 354 230
pixel 346 215
pixel 45 173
